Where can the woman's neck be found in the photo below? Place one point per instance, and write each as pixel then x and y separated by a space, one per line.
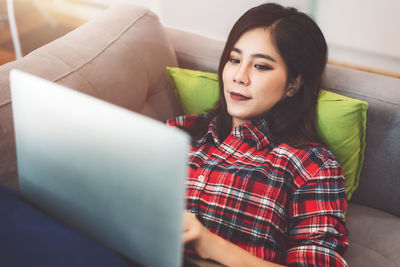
pixel 236 122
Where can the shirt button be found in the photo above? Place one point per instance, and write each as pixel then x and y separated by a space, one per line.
pixel 201 178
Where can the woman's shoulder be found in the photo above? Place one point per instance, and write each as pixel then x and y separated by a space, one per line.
pixel 306 150
pixel 310 161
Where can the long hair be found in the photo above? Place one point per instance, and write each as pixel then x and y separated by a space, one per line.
pixel 303 49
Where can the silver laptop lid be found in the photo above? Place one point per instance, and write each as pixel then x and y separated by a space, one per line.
pixel 115 175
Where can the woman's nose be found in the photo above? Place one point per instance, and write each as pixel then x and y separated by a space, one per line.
pixel 242 76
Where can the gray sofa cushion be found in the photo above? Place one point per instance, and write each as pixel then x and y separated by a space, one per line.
pixel 374 237
pixel 380 176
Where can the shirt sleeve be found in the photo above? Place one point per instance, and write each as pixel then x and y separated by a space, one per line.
pixel 186 122
pixel 317 235
pixel 183 122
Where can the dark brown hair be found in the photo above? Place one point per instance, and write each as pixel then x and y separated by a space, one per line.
pixel 302 47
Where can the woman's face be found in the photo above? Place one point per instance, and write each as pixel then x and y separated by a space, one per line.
pixel 254 77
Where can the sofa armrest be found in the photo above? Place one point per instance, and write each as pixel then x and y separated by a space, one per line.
pixel 119 57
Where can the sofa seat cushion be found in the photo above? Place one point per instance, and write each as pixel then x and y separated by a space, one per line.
pixel 374 237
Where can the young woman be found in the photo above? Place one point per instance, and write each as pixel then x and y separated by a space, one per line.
pixel 262 190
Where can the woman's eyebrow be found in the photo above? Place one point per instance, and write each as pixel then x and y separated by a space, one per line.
pixel 267 57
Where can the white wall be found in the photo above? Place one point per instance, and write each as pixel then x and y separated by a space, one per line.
pixel 363 33
pixel 213 18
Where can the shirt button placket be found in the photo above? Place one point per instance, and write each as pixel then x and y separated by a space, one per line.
pixel 201 178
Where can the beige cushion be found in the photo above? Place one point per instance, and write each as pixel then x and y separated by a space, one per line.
pixel 119 57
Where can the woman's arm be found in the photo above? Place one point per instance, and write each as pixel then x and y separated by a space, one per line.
pixel 317 235
pixel 211 246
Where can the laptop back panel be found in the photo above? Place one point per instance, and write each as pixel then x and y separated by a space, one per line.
pixel 115 175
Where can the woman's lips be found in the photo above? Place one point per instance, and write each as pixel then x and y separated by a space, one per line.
pixel 238 97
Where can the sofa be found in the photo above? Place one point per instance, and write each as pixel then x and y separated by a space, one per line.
pixel 121 57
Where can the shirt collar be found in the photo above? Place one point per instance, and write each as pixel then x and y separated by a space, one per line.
pixel 212 134
pixel 255 132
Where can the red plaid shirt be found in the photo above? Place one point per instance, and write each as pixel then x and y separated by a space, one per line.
pixel 282 204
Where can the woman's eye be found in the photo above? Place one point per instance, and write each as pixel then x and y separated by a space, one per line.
pixel 262 67
pixel 234 60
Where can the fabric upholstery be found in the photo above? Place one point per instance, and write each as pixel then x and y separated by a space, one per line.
pixel 196 52
pixel 380 176
pixel 373 237
pixel 119 57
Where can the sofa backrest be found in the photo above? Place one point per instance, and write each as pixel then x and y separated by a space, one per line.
pixel 380 176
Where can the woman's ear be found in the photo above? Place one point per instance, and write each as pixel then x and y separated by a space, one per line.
pixel 294 86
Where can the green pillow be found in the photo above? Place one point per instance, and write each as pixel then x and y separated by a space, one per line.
pixel 341 120
pixel 341 124
pixel 197 91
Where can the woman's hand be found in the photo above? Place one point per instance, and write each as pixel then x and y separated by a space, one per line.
pixel 210 246
pixel 195 234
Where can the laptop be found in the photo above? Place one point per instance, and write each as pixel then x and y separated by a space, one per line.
pixel 114 175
